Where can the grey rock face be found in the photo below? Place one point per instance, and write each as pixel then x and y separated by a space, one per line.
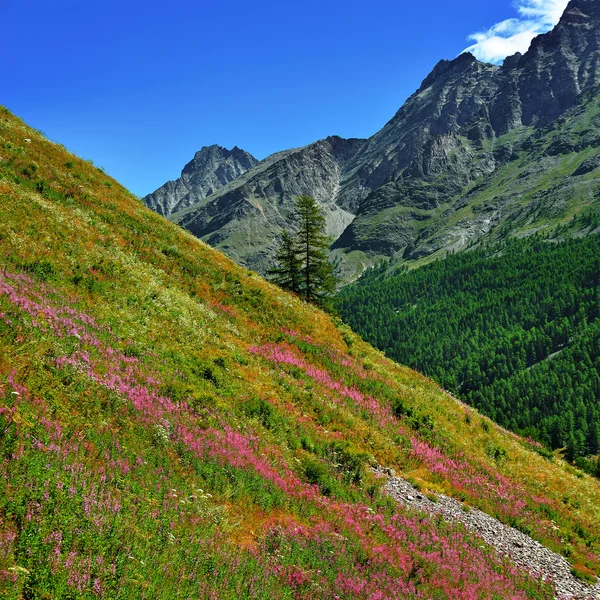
pixel 246 217
pixel 561 64
pixel 437 177
pixel 452 99
pixel 211 168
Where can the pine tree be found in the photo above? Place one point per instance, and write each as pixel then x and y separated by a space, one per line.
pixel 575 446
pixel 301 261
pixel 592 441
pixel 317 272
pixel 287 272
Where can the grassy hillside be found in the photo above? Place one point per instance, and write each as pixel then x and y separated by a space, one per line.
pixel 173 426
pixel 514 329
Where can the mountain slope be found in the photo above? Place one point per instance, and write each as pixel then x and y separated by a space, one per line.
pixel 550 175
pixel 427 182
pixel 245 218
pixel 211 168
pixel 513 329
pixel 174 426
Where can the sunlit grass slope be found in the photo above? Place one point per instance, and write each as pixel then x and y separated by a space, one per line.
pixel 173 426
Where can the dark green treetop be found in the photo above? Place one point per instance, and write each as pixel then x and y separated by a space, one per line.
pixel 301 260
pixel 287 271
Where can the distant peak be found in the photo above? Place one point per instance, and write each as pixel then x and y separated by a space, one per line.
pixel 459 64
pixel 217 150
pixel 237 151
pixel 208 156
pixel 210 148
pixel 465 57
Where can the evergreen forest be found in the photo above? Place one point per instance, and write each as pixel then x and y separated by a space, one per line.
pixel 512 329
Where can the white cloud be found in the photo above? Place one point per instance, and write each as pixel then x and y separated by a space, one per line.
pixel 515 35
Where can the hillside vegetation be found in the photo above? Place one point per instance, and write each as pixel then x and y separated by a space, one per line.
pixel 173 426
pixel 513 329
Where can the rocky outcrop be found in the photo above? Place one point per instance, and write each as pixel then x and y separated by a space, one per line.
pixel 211 168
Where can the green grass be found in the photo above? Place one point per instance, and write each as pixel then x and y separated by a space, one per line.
pixel 174 426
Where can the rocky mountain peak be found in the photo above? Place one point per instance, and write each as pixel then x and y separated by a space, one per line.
pixel 208 156
pixel 447 69
pixel 211 168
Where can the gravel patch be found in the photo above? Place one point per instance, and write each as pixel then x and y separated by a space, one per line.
pixel 526 553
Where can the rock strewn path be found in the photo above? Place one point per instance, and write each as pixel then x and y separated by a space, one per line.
pixel 526 552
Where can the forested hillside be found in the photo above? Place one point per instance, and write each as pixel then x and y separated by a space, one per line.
pixel 512 329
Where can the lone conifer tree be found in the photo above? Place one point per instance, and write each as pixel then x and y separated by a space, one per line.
pixel 302 264
pixel 287 272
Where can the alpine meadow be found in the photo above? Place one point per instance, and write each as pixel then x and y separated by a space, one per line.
pixel 199 393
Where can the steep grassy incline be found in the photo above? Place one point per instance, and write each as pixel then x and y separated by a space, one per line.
pixel 173 426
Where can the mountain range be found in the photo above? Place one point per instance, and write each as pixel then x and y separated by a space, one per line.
pixel 479 151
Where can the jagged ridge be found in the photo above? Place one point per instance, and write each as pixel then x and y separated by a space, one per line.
pixel 211 168
pixel 409 185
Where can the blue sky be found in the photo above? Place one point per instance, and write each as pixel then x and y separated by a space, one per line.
pixel 139 87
